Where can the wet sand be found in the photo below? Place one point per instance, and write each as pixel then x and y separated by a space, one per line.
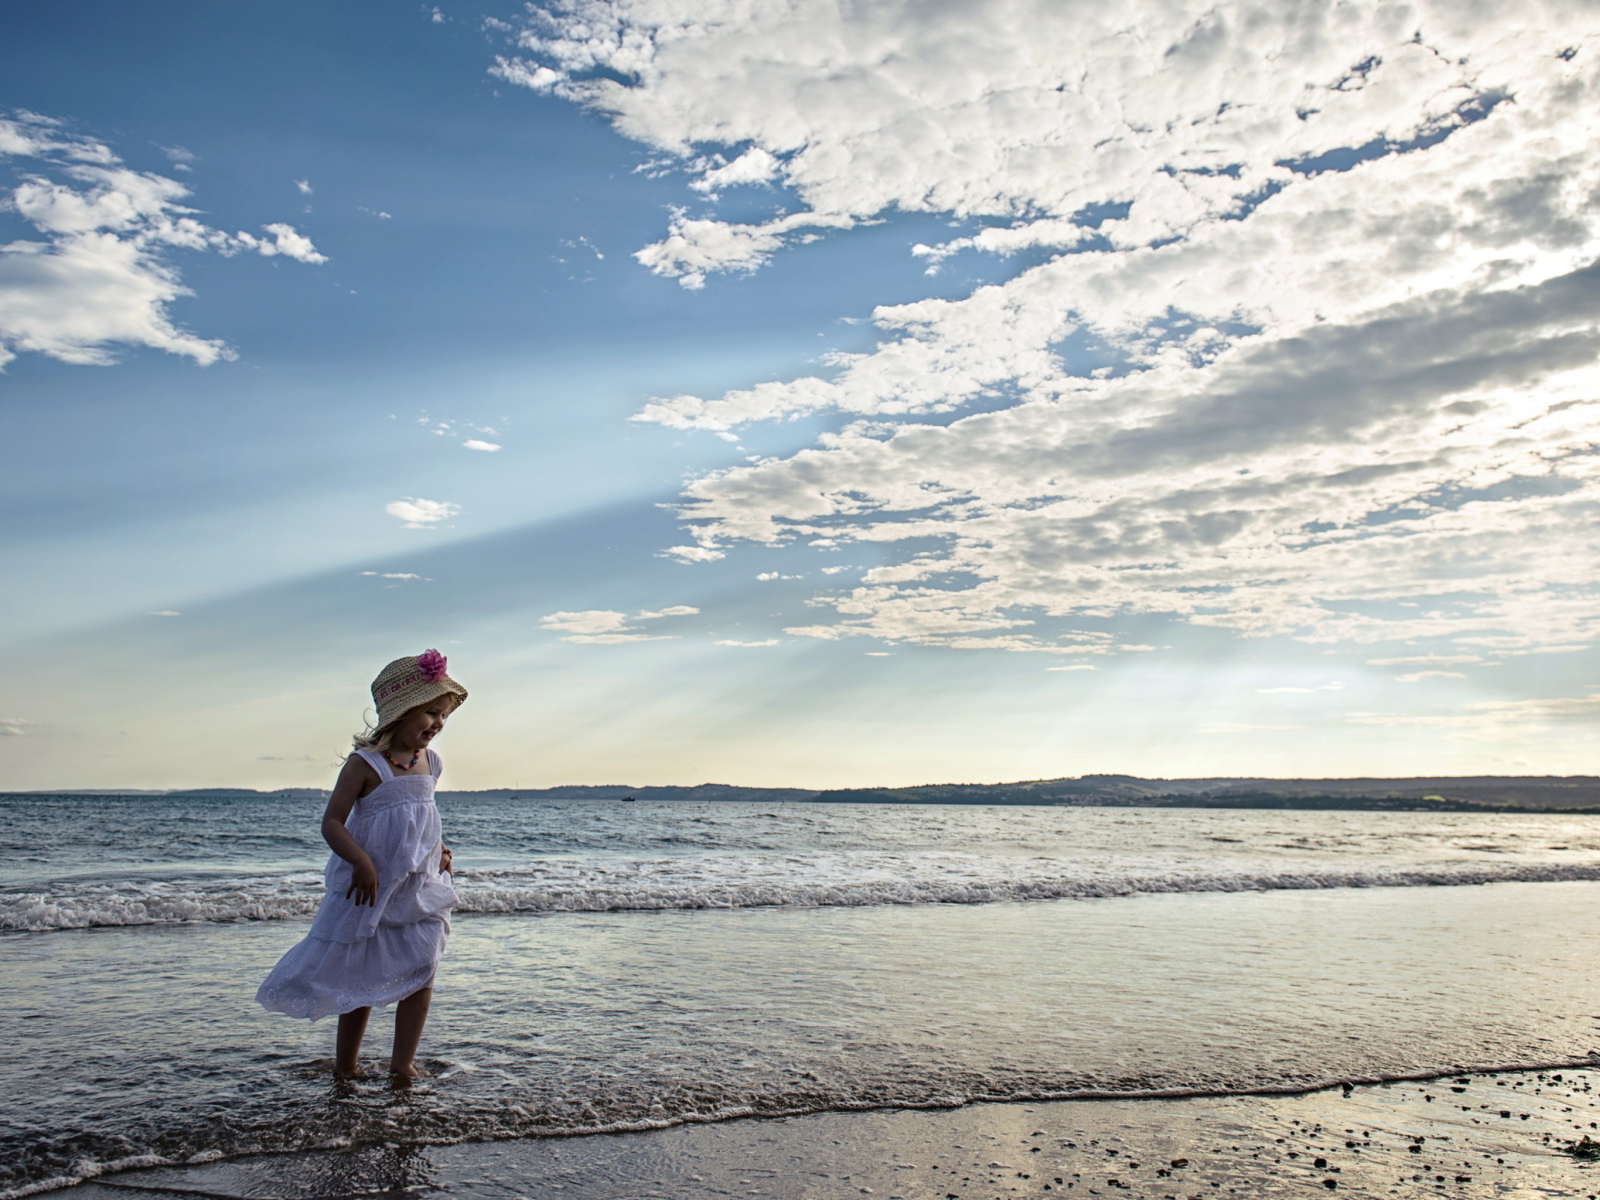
pixel 1505 1136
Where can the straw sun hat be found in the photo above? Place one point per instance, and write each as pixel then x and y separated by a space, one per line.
pixel 408 682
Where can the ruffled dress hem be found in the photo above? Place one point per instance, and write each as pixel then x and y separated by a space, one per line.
pixel 372 955
pixel 318 978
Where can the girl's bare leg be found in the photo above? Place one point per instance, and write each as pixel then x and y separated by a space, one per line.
pixel 410 1015
pixel 347 1050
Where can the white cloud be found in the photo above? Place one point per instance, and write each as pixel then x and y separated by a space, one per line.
pixel 1415 660
pixel 304 185
pixel 418 513
pixel 1305 691
pixel 1021 110
pixel 284 241
pixel 694 247
pixel 676 610
pixel 606 627
pixel 100 276
pixel 1419 676
pixel 1336 263
pixel 594 620
pixel 1238 727
pixel 166 612
pixel 13 727
pixel 766 642
pixel 1075 667
pixel 475 444
pixel 755 165
pixel 694 553
pixel 593 625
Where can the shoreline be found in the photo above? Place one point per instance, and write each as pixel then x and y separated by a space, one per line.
pixel 1370 1137
pixel 1546 795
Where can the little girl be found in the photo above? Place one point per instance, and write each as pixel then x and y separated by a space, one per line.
pixel 385 919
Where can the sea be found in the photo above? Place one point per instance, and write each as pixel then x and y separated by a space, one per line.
pixel 636 965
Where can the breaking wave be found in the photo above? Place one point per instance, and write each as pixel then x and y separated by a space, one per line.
pixel 737 881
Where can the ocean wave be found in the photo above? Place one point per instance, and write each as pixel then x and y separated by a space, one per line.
pixel 80 905
pixel 922 882
pixel 578 885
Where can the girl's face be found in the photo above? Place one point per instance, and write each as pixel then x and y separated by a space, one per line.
pixel 420 726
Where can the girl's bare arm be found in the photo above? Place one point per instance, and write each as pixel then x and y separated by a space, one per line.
pixel 355 780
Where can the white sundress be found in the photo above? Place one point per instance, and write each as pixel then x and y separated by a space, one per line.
pixel 374 954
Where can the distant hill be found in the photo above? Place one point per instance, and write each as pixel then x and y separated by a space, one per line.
pixel 618 791
pixel 1431 792
pixel 286 793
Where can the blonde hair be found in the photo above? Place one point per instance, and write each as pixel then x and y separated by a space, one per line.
pixel 381 737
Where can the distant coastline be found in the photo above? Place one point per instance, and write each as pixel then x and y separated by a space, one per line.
pixel 1468 793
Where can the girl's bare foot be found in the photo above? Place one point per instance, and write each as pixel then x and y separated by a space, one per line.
pixel 351 1072
pixel 408 1071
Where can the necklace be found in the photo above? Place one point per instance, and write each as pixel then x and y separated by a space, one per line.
pixel 415 754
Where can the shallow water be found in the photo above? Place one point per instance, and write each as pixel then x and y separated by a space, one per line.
pixel 140 1038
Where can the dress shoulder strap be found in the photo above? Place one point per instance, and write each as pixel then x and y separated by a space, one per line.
pixel 378 763
pixel 435 764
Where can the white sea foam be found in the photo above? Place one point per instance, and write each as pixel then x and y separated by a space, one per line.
pixel 910 881
pixel 579 884
pixel 82 905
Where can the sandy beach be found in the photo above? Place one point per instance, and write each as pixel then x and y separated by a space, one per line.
pixel 1470 1136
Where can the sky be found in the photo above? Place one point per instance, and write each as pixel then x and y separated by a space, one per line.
pixel 799 392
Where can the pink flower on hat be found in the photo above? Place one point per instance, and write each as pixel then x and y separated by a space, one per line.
pixel 432 664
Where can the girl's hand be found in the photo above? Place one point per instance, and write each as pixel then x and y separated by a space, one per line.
pixel 444 859
pixel 364 884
